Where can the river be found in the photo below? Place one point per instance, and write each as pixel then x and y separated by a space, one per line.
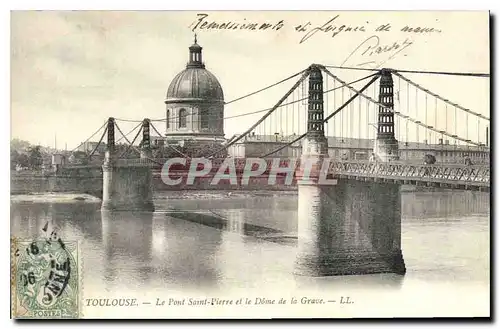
pixel 244 245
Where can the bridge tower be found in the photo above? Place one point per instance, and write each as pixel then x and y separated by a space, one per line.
pixel 126 186
pixel 146 140
pixel 345 226
pixel 386 146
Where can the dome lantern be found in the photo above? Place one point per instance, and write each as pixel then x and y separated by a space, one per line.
pixel 195 59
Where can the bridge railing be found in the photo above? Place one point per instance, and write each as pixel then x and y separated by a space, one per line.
pixel 445 173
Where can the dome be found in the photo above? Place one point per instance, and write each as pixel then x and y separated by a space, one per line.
pixel 195 82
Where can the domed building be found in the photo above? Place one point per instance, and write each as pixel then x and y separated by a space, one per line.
pixel 195 105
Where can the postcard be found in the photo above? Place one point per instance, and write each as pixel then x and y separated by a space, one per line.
pixel 250 164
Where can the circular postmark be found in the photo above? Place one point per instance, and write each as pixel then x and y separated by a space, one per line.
pixel 46 279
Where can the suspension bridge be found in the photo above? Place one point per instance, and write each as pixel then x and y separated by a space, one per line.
pixel 404 119
pixel 353 224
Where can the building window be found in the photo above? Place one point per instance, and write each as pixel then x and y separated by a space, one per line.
pixel 204 118
pixel 168 119
pixel 182 118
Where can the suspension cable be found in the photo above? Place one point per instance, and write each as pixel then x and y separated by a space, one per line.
pixel 416 115
pixel 131 144
pixel 104 125
pixel 302 78
pixel 284 104
pixel 342 119
pixel 367 120
pixel 334 106
pixel 265 88
pixel 471 74
pixel 427 133
pixel 121 132
pixel 131 131
pixel 173 148
pixel 407 109
pixel 327 118
pixel 435 117
pixel 441 98
pixel 127 120
pixel 99 143
pixel 392 110
pixel 359 121
pixel 399 109
pixel 156 130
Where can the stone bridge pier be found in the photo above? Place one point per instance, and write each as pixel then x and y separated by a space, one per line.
pixel 127 187
pixel 344 226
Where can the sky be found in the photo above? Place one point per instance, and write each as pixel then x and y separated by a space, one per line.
pixel 72 70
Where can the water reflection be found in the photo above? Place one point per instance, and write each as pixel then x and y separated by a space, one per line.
pixel 185 253
pixel 250 242
pixel 126 242
pixel 354 282
pixel 234 222
pixel 83 220
pixel 451 204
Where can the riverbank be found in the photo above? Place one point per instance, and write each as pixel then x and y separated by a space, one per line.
pixel 53 197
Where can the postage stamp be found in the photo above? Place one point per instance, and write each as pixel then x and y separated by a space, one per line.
pixel 45 280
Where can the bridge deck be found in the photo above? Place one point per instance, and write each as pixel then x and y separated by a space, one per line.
pixel 443 175
pixel 448 175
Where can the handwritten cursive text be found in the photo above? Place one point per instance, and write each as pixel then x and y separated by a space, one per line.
pixel 372 52
pixel 202 23
pixel 329 26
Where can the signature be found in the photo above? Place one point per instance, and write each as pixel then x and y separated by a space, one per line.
pixel 371 52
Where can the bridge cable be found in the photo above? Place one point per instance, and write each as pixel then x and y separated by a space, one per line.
pixel 104 125
pixel 427 133
pixel 302 78
pixel 416 115
pixel 286 120
pixel 123 135
pixel 359 120
pixel 131 131
pixel 127 120
pixel 265 88
pixel 155 130
pixel 405 116
pixel 350 114
pixel 435 120
pixel 446 113
pixel 334 106
pixel 342 118
pixel 296 101
pixel 264 110
pixel 99 143
pixel 407 110
pixel 455 124
pixel 267 109
pixel 440 97
pixel 131 144
pixel 367 119
pixel 293 116
pixel 398 113
pixel 376 76
pixel 399 107
pixel 470 74
pixel 173 148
